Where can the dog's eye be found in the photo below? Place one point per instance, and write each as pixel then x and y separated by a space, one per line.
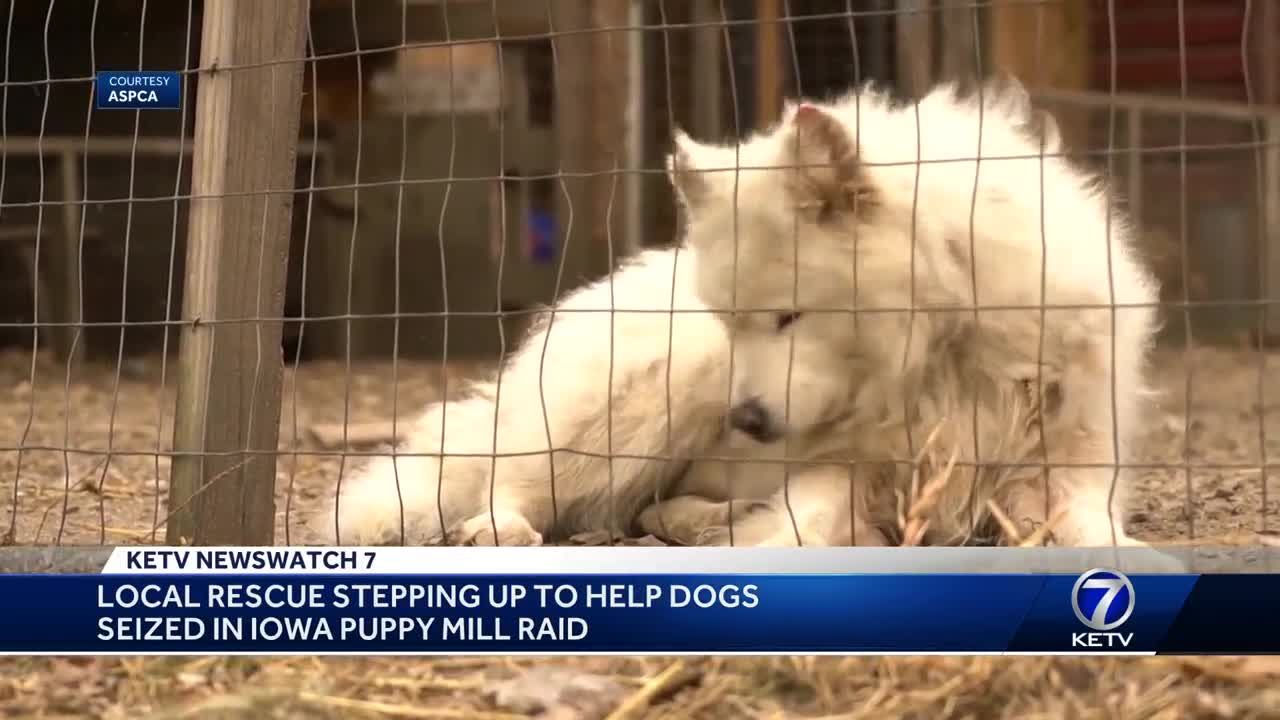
pixel 786 319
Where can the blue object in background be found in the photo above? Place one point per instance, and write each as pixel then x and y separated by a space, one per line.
pixel 542 237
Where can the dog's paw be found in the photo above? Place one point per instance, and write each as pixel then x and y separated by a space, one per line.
pixel 652 521
pixel 788 539
pixel 361 521
pixel 376 531
pixel 680 520
pixel 716 536
pixel 720 536
pixel 760 525
pixel 684 520
pixel 512 530
pixel 379 505
pixel 379 536
pixel 745 537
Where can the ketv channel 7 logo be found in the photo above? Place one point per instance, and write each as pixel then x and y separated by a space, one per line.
pixel 137 90
pixel 1103 600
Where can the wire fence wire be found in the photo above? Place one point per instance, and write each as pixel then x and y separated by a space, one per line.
pixel 462 166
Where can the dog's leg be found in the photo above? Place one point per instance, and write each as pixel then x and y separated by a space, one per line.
pixel 774 525
pixel 1088 514
pixel 817 509
pixel 813 511
pixel 381 501
pixel 414 497
pixel 682 520
pixel 554 393
pixel 513 529
pixel 1093 517
pixel 692 520
pixel 389 501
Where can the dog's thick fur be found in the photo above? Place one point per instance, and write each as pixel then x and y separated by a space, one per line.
pixel 847 249
pixel 642 333
pixel 886 211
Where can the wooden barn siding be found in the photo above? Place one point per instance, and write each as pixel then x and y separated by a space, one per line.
pixel 1144 43
pixel 1148 45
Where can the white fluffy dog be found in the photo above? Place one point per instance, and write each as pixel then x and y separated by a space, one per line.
pixel 633 368
pixel 882 295
pixel 906 290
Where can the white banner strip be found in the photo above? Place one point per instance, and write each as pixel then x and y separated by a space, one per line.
pixel 660 560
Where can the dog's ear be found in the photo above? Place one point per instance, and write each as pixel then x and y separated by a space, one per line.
pixel 789 108
pixel 1005 92
pixel 692 187
pixel 1043 127
pixel 827 176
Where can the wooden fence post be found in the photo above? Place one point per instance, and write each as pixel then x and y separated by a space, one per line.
pixel 71 337
pixel 590 110
pixel 959 48
pixel 708 73
pixel 230 367
pixel 915 47
pixel 769 82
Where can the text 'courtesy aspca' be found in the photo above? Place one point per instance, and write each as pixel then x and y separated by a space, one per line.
pixel 386 614
pixel 138 90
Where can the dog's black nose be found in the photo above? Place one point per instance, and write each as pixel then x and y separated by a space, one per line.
pixel 752 418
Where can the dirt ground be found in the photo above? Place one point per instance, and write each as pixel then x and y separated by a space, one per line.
pixel 1205 481
pixel 109 488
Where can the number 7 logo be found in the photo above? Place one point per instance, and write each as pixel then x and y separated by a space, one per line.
pixel 1113 583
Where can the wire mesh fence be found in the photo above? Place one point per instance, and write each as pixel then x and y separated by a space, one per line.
pixel 363 208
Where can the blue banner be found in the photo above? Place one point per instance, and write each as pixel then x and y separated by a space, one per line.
pixel 137 90
pixel 1100 611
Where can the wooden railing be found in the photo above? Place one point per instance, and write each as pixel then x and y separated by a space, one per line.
pixel 69 151
pixel 1135 108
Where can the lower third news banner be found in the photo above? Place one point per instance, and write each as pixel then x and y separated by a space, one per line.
pixel 633 601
